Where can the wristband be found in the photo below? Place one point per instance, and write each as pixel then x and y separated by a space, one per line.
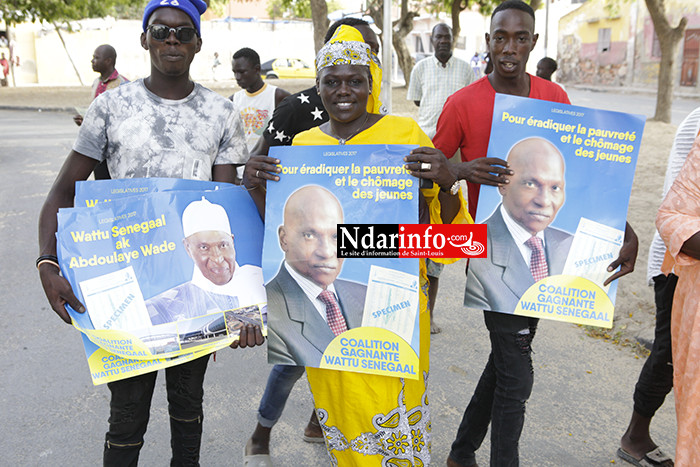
pixel 41 258
pixel 49 261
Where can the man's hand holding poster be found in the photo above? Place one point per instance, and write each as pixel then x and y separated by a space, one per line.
pixel 356 314
pixel 560 221
pixel 166 276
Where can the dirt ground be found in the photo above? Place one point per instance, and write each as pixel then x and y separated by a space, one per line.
pixel 634 313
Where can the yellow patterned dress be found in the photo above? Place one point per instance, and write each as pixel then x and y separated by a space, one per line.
pixel 373 420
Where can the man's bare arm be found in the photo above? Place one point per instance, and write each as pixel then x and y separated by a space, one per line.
pixel 627 256
pixel 223 173
pixel 57 289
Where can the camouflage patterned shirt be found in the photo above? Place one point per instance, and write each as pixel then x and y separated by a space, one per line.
pixel 143 135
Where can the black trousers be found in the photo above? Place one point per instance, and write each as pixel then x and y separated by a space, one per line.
pixel 656 378
pixel 500 396
pixel 130 409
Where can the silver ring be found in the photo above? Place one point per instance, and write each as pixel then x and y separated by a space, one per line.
pixel 256 173
pixel 425 166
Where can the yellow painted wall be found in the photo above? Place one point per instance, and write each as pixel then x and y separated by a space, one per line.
pixel 592 16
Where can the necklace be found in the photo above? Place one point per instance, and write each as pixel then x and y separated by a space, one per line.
pixel 342 141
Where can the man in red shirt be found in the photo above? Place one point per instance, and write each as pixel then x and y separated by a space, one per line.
pixel 465 124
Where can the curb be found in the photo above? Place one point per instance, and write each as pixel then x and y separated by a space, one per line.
pixel 627 90
pixel 37 109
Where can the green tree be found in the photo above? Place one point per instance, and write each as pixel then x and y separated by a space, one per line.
pixel 59 13
pixel 317 10
pixel 455 7
pixel 294 8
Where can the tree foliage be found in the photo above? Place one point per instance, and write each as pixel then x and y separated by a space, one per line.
pixel 61 11
pixel 296 8
pixel 58 12
pixel 485 7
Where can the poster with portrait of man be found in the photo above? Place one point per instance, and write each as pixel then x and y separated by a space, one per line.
pixel 558 224
pixel 324 310
pixel 166 273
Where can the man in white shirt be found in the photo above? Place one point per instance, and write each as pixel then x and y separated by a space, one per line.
pixel 436 78
pixel 433 80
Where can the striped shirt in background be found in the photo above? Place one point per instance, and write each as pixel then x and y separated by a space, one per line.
pixel 682 143
pixel 432 84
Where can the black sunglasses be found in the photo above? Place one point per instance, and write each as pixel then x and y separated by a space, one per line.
pixel 183 34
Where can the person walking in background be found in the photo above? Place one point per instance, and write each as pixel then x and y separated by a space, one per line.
pixel 436 78
pixel 104 61
pixel 5 69
pixel 216 63
pixel 546 68
pixel 433 80
pixel 256 101
pixel 656 378
pixel 475 62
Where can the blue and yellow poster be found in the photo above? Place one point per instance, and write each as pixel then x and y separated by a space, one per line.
pixel 166 276
pixel 560 221
pixel 355 314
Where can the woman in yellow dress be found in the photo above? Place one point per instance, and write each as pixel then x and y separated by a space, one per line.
pixel 368 419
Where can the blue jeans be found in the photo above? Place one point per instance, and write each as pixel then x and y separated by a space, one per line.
pixel 279 385
pixel 130 408
pixel 500 396
pixel 656 378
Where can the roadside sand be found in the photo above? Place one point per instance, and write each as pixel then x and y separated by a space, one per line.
pixel 634 314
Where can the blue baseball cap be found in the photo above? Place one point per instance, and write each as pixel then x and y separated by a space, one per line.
pixel 193 8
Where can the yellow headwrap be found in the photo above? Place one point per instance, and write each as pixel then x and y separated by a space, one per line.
pixel 347 47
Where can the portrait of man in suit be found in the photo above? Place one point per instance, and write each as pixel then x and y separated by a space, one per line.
pixel 307 304
pixel 522 246
pixel 218 282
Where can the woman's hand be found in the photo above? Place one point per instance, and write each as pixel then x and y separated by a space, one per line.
pixel 260 169
pixel 430 163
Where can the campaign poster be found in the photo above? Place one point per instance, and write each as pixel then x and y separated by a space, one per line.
pixel 90 192
pixel 166 276
pixel 560 221
pixel 354 314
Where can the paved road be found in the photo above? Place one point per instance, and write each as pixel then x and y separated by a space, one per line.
pixel 637 103
pixel 53 416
